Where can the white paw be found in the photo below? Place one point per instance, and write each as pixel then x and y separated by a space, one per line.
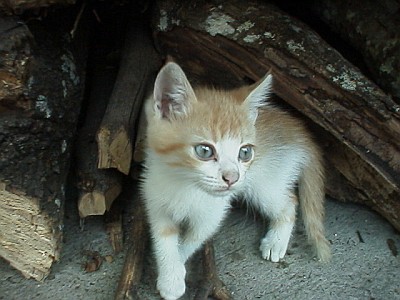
pixel 273 246
pixel 172 285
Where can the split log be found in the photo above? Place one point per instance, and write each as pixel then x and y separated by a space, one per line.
pixel 42 85
pixel 114 227
pixel 373 29
pixel 133 265
pixel 237 42
pixel 19 6
pixel 138 64
pixel 97 188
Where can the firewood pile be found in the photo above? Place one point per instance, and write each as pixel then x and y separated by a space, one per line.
pixel 73 77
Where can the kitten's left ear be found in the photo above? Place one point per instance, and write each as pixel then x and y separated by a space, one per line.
pixel 173 93
pixel 258 96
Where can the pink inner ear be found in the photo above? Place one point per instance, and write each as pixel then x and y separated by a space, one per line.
pixel 165 108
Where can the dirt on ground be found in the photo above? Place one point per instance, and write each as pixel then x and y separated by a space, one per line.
pixel 365 264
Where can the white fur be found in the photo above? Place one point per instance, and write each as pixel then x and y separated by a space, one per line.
pixel 178 199
pixel 173 199
pixel 270 182
pixel 194 201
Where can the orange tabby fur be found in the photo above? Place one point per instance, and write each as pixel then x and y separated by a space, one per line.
pixel 206 147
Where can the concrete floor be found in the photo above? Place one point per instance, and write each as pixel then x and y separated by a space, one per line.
pixel 363 265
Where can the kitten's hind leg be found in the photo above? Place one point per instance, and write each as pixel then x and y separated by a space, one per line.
pixel 274 245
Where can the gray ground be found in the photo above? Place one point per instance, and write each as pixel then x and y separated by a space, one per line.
pixel 363 266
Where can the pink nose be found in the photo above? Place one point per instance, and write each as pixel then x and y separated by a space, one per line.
pixel 230 177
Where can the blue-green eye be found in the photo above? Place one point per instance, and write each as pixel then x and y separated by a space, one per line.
pixel 246 153
pixel 204 151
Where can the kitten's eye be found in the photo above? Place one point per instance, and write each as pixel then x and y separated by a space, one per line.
pixel 204 152
pixel 246 153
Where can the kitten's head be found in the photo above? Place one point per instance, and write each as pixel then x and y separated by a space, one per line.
pixel 206 137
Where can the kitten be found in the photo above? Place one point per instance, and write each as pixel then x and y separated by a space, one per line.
pixel 206 147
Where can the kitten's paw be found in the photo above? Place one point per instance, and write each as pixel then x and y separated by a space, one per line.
pixel 172 286
pixel 273 247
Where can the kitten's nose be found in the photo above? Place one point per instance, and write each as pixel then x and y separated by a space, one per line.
pixel 230 177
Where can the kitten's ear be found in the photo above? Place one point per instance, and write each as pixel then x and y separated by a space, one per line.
pixel 258 96
pixel 173 93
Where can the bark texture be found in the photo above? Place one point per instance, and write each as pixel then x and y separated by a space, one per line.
pixel 237 43
pixel 373 29
pixel 42 86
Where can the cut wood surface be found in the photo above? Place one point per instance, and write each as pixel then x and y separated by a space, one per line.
pixel 42 86
pixel 236 42
pixel 138 64
pixel 98 190
pixel 373 29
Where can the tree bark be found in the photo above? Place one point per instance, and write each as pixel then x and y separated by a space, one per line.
pixel 373 29
pixel 237 42
pixel 40 102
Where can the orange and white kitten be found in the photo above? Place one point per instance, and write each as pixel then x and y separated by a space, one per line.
pixel 206 147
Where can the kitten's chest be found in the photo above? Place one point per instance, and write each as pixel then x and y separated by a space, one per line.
pixel 189 203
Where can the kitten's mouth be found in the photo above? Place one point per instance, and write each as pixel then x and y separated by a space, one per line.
pixel 224 190
pixel 220 191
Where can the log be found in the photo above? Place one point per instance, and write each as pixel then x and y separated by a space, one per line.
pixel 133 266
pixel 237 43
pixel 97 191
pixel 97 188
pixel 19 6
pixel 15 50
pixel 372 29
pixel 42 87
pixel 114 227
pixel 139 62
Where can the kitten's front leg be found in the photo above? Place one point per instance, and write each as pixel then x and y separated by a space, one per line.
pixel 171 269
pixel 201 227
pixel 275 243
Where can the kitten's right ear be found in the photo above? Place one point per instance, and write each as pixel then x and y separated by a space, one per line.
pixel 173 93
pixel 258 96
